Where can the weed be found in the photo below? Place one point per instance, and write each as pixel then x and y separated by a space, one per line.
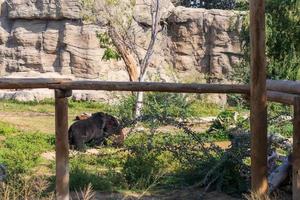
pixel 86 194
pixel 20 187
pixel 7 129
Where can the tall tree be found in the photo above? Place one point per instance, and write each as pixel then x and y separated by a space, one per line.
pixel 119 32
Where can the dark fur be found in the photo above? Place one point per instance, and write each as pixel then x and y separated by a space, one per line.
pixel 94 129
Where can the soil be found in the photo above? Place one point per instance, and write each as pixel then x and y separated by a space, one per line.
pixel 30 121
pixel 185 194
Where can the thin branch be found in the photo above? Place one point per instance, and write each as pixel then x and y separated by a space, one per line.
pixel 155 22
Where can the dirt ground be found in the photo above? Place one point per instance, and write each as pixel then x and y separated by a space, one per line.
pixel 30 121
pixel 186 194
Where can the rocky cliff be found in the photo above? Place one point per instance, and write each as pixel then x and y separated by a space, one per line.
pixel 47 38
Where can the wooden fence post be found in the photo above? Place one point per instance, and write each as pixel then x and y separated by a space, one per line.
pixel 258 116
pixel 296 150
pixel 62 144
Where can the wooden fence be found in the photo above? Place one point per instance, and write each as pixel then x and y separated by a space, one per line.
pixel 260 91
pixel 286 92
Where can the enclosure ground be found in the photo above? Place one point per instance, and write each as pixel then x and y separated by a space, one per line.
pixel 22 119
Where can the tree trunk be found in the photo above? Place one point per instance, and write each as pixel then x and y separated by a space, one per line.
pixel 130 61
pixel 139 104
pixel 139 100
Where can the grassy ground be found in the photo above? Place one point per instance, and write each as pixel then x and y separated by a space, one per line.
pixel 39 116
pixel 27 147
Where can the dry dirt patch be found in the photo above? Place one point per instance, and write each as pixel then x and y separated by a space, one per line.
pixel 184 194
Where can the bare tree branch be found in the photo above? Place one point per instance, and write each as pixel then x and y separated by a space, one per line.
pixel 155 24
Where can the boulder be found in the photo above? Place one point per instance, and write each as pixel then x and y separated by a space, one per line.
pixel 142 11
pixel 44 9
pixel 52 37
pixel 28 33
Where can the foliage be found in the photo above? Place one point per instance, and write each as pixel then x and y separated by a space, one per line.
pixel 142 169
pixel 87 13
pixel 87 193
pixel 215 4
pixel 166 105
pixel 200 108
pixel 226 121
pixel 279 119
pixel 110 52
pixel 7 129
pixel 81 177
pixel 192 161
pixel 282 42
pixel 124 109
pixel 102 170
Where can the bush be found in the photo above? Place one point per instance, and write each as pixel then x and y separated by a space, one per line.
pixel 81 177
pixel 101 171
pixel 145 164
pixel 167 105
pixel 164 105
pixel 210 4
pixel 124 109
pixel 282 42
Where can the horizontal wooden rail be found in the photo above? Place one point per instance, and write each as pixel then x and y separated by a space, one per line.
pixel 152 86
pixel 66 84
pixel 29 83
pixel 281 97
pixel 292 87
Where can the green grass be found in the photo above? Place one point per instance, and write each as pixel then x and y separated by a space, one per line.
pixel 202 109
pixel 145 162
pixel 7 129
pixel 195 108
pixel 20 151
pixel 47 106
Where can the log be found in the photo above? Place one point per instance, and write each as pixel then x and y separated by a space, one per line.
pixel 258 99
pixel 296 150
pixel 281 97
pixel 279 175
pixel 152 86
pixel 29 83
pixel 292 87
pixel 62 144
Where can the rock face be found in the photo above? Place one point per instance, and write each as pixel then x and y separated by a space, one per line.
pixel 44 9
pixel 46 38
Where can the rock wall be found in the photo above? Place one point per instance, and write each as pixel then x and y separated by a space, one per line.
pixel 46 38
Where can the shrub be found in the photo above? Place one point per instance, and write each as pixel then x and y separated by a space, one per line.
pixel 282 42
pixel 166 105
pixel 101 171
pixel 210 4
pixel 124 109
pixel 145 164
